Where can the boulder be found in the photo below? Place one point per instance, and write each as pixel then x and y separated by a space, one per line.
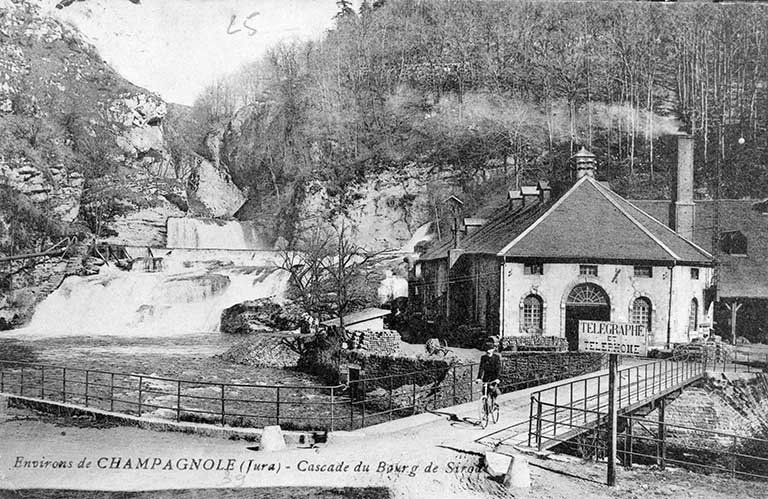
pixel 267 350
pixel 261 315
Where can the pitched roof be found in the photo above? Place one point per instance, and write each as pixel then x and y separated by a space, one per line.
pixel 739 276
pixel 591 221
pixel 588 222
pixel 503 224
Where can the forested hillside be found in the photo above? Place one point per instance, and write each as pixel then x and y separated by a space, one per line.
pixel 500 88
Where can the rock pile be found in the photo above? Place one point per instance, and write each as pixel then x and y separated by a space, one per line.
pixel 267 350
pixel 262 315
pixel 384 342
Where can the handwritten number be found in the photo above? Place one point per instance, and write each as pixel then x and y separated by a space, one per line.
pixel 231 23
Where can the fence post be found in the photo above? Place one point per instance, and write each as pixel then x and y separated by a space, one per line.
pixel 454 385
pixel 413 386
pixel 178 400
pixel 733 458
pixel 222 404
pixel 112 392
pixel 64 385
pixel 87 374
pixel 21 382
pixel 351 407
pixel 530 422
pixel 538 424
pixel 661 448
pixel 628 444
pixel 471 368
pixel 42 382
pixel 141 379
pixel 362 421
pixel 2 377
pixel 333 404
pixel 277 407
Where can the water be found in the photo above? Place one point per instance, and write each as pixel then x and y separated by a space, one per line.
pixel 184 297
pixel 213 234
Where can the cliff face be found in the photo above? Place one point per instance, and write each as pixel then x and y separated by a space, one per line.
pixel 83 152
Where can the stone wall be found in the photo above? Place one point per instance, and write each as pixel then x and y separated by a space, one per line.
pixel 384 342
pixel 727 402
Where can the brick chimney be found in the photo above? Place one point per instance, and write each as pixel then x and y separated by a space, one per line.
pixel 684 207
pixel 530 194
pixel 545 191
pixel 515 199
pixel 585 163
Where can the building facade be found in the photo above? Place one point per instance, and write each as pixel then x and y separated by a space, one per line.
pixel 538 266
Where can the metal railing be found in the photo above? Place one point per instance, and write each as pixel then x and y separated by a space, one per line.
pixel 552 410
pixel 649 441
pixel 354 405
pixel 383 398
pixel 234 404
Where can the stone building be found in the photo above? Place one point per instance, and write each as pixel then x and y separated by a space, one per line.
pixel 539 265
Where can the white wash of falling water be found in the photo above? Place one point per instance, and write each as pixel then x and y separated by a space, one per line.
pixel 151 304
pixel 203 233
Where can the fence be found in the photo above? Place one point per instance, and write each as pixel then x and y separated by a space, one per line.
pixel 355 405
pixel 648 441
pixel 553 409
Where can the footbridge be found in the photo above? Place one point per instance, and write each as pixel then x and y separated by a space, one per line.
pixel 564 410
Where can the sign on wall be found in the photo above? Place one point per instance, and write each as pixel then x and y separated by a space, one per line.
pixel 613 337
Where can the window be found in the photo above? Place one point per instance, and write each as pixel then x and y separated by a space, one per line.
pixel 693 318
pixel 695 274
pixel 532 312
pixel 588 270
pixel 641 312
pixel 533 269
pixel 643 271
pixel 734 243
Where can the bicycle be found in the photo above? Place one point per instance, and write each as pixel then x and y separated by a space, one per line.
pixel 489 409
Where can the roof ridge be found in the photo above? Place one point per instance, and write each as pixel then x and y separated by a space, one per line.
pixel 631 219
pixel 669 229
pixel 547 213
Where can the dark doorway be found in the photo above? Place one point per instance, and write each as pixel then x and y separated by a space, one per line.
pixel 585 302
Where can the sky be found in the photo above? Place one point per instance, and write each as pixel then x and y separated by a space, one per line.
pixel 177 47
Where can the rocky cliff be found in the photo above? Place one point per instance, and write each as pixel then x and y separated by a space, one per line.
pixel 84 153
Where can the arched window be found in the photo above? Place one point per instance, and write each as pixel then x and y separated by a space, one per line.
pixel 693 318
pixel 532 312
pixel 641 312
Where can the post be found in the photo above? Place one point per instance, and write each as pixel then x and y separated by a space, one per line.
pixel 538 424
pixel 362 420
pixel 64 385
pixel 178 400
pixel 554 415
pixel 333 403
pixel 413 385
pixel 471 380
pixel 2 378
pixel 390 398
pixel 42 382
pixel 140 383
pixel 21 382
pixel 454 385
pixel 661 445
pixel 112 392
pixel 628 444
pixel 87 372
pixel 277 406
pixel 613 361
pixel 222 405
pixel 733 457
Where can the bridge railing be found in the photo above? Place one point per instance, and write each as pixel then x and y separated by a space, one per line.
pixel 554 410
pixel 641 440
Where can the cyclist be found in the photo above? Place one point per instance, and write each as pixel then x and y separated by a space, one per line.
pixel 490 370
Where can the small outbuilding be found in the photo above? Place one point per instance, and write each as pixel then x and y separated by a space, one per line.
pixel 370 319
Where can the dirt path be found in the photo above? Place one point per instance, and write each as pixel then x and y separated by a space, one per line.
pixel 27 439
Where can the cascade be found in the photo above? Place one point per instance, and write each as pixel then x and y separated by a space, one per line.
pixel 181 289
pixel 198 233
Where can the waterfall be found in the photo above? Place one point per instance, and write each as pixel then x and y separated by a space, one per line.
pixel 182 297
pixel 200 233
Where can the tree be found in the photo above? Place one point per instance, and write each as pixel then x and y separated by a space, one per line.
pixel 345 9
